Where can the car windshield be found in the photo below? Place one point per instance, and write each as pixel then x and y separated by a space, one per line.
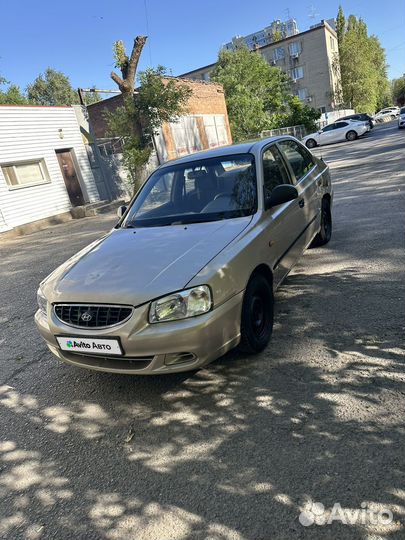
pixel 402 111
pixel 197 191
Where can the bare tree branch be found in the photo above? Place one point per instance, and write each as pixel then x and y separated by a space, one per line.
pixel 129 66
pixel 117 79
pixel 139 43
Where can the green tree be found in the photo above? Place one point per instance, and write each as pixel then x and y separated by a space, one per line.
pixel 398 91
pixel 52 88
pixel 159 99
pixel 362 64
pixel 378 59
pixel 254 91
pixel 299 113
pixel 340 25
pixel 12 95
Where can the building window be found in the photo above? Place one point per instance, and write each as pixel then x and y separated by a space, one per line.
pixel 332 43
pixel 278 54
pixel 294 48
pixel 26 173
pixel 297 73
pixel 302 93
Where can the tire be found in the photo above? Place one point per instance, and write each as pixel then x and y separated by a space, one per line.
pixel 325 232
pixel 351 135
pixel 311 143
pixel 257 315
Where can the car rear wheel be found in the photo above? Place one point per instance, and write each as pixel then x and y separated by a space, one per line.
pixel 257 315
pixel 325 232
pixel 311 143
pixel 351 135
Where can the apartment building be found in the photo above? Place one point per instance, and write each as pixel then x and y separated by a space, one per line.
pixel 275 31
pixel 308 58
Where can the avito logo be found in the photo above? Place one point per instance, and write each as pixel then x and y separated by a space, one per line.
pixel 73 344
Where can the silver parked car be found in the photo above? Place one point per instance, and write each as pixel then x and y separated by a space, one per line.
pixel 190 270
pixel 341 130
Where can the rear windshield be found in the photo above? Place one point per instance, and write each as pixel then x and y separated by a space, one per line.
pixel 197 191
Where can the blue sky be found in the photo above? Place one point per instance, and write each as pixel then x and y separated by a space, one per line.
pixel 77 37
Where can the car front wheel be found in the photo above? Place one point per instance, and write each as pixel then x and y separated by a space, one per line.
pixel 351 135
pixel 257 315
pixel 311 143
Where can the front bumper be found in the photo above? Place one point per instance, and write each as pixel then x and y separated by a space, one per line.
pixel 169 347
pixel 401 122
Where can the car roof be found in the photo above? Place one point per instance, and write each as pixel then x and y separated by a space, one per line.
pixel 228 150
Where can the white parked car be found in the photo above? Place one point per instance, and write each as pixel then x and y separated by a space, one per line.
pixel 387 113
pixel 338 131
pixel 401 118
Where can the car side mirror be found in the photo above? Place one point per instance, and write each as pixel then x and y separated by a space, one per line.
pixel 121 211
pixel 280 195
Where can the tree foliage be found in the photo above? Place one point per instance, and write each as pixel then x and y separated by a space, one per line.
pixel 11 95
pixel 297 114
pixel 363 66
pixel 159 99
pixel 398 91
pixel 254 91
pixel 52 88
pixel 340 26
pixel 124 124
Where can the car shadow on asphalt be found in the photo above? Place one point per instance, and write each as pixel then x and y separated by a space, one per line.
pixel 236 450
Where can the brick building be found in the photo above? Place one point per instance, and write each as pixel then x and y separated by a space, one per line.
pixel 205 125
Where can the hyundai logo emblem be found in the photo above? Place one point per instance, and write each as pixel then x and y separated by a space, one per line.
pixel 86 316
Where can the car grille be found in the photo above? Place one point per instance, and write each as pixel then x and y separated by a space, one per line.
pixel 91 315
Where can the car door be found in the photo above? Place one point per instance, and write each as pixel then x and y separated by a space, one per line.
pixel 307 178
pixel 326 135
pixel 284 222
pixel 341 130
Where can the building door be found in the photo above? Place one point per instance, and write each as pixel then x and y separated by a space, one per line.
pixel 67 166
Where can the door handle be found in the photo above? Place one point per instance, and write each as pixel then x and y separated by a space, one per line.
pixel 301 203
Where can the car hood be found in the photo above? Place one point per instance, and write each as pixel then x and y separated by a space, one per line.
pixel 133 266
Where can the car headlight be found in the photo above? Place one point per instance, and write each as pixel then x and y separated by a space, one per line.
pixel 42 301
pixel 181 305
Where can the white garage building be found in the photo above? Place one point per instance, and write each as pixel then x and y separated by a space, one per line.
pixel 44 168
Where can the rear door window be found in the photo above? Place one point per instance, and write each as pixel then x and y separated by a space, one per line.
pixel 298 157
pixel 341 124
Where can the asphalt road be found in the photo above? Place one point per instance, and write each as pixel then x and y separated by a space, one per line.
pixel 238 450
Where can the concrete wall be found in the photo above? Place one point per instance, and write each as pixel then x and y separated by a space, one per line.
pixel 34 133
